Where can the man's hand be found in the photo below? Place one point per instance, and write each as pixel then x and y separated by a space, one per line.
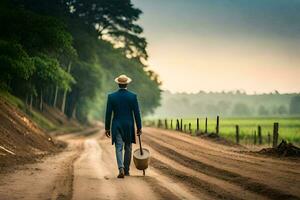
pixel 139 132
pixel 107 133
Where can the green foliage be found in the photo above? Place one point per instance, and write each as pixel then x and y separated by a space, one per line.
pixel 35 116
pixel 114 21
pixel 289 127
pixel 227 104
pixel 263 111
pixel 36 33
pixel 13 100
pixel 42 121
pixel 48 72
pixel 240 109
pixel 41 42
pixel 295 105
pixel 102 63
pixel 45 39
pixel 14 62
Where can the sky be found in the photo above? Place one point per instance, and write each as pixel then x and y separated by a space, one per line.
pixel 223 45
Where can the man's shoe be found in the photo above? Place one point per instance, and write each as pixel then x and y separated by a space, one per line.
pixel 121 173
pixel 127 174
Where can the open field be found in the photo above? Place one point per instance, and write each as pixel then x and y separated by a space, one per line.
pixel 289 128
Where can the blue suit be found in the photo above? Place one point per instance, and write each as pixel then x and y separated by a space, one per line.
pixel 124 107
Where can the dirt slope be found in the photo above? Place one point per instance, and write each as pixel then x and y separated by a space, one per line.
pixel 20 138
pixel 57 117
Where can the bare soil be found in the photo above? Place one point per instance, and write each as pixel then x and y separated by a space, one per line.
pixel 182 167
pixel 21 140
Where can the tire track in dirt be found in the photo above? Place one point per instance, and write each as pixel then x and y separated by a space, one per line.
pixel 95 177
pixel 213 191
pixel 220 187
pixel 214 149
pixel 51 178
pixel 63 187
pixel 247 169
pixel 87 170
pixel 233 177
pixel 161 189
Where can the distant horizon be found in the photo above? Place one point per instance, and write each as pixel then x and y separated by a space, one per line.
pixel 223 45
pixel 228 91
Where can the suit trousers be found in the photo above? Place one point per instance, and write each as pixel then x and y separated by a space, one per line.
pixel 119 145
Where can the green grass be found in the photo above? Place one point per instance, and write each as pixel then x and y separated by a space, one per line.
pixel 42 121
pixel 289 128
pixel 34 115
pixel 12 99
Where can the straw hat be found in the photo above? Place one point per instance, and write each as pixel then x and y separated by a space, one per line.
pixel 123 79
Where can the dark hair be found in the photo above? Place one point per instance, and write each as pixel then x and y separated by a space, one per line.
pixel 122 86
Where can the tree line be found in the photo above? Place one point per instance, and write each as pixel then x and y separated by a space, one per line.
pixel 65 54
pixel 228 104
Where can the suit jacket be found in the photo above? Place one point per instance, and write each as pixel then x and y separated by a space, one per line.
pixel 124 107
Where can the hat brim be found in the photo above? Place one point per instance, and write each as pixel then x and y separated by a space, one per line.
pixel 128 81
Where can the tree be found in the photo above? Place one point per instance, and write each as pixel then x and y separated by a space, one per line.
pixel 39 35
pixel 88 78
pixel 295 105
pixel 49 73
pixel 56 36
pixel 262 111
pixel 282 110
pixel 212 109
pixel 14 62
pixel 224 107
pixel 114 20
pixel 241 109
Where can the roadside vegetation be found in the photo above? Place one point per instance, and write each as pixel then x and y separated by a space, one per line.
pixel 65 54
pixel 289 128
pixel 35 115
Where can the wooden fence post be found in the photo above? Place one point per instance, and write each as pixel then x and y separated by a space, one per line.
pixel 237 135
pixel 171 124
pixel 190 128
pixel 166 124
pixel 259 135
pixel 217 127
pixel 269 138
pixel 255 139
pixel 197 129
pixel 205 125
pixel 180 124
pixel 275 134
pixel 177 125
pixel 160 123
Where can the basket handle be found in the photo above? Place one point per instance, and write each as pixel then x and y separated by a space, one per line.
pixel 141 149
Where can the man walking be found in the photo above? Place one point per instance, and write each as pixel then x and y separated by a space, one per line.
pixel 124 106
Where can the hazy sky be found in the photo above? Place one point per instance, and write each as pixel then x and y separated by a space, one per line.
pixel 216 45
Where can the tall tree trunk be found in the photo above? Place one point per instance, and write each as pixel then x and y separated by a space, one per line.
pixel 74 112
pixel 55 96
pixel 31 100
pixel 41 100
pixel 63 105
pixel 26 99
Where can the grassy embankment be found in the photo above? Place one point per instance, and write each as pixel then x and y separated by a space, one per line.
pixel 35 115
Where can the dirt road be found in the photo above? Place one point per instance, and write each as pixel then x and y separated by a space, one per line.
pixel 182 167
